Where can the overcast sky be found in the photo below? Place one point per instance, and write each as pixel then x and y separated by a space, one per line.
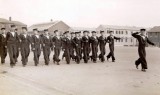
pixel 84 13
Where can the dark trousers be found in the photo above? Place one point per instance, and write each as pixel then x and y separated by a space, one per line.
pixel 103 52
pixel 25 50
pixel 78 54
pixel 37 53
pixel 94 53
pixel 142 59
pixel 46 53
pixel 72 53
pixel 86 51
pixel 111 54
pixel 12 50
pixel 56 54
pixel 67 55
pixel 3 53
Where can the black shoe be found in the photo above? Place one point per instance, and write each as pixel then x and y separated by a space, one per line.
pixel 24 65
pixel 36 64
pixel 58 63
pixel 136 64
pixel 143 70
pixel 113 60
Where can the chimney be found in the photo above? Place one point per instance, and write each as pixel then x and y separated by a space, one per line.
pixel 10 18
pixel 51 20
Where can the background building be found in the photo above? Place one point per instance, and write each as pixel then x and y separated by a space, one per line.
pixel 6 23
pixel 121 31
pixel 51 26
pixel 154 35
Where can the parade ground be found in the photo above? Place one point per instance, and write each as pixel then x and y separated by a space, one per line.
pixel 118 78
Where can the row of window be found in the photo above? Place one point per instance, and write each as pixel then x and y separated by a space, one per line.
pixel 119 32
pixel 124 40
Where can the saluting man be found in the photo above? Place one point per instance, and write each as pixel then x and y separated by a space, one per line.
pixel 94 45
pixel 78 46
pixel 66 47
pixel 102 44
pixel 3 45
pixel 110 40
pixel 86 46
pixel 47 45
pixel 143 40
pixel 25 42
pixel 36 46
pixel 57 45
pixel 11 39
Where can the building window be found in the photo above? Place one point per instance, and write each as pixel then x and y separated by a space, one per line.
pixel 116 32
pixel 121 40
pixel 131 40
pixel 126 39
pixel 126 32
pixel 121 32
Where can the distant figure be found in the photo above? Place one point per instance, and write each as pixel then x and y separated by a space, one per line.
pixel 78 45
pixel 11 40
pixel 57 45
pixel 72 46
pixel 86 46
pixel 94 46
pixel 110 40
pixel 25 42
pixel 47 45
pixel 143 40
pixel 66 47
pixel 3 45
pixel 36 46
pixel 102 44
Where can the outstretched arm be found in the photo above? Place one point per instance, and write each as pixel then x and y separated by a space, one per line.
pixel 151 43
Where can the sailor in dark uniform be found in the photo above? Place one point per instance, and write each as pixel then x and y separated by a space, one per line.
pixel 110 40
pixel 86 46
pixel 11 39
pixel 47 45
pixel 36 46
pixel 143 40
pixel 94 46
pixel 57 45
pixel 18 45
pixel 102 44
pixel 78 46
pixel 3 45
pixel 72 46
pixel 25 42
pixel 66 47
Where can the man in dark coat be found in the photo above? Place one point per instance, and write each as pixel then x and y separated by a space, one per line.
pixel 110 40
pixel 36 46
pixel 3 45
pixel 11 39
pixel 18 46
pixel 57 44
pixel 143 40
pixel 47 45
pixel 94 46
pixel 86 46
pixel 102 44
pixel 72 46
pixel 78 46
pixel 66 47
pixel 25 41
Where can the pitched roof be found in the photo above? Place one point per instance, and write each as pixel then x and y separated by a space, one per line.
pixel 155 29
pixel 82 29
pixel 42 26
pixel 2 20
pixel 120 27
pixel 18 23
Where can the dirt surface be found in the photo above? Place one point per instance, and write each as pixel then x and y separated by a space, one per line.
pixel 119 78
